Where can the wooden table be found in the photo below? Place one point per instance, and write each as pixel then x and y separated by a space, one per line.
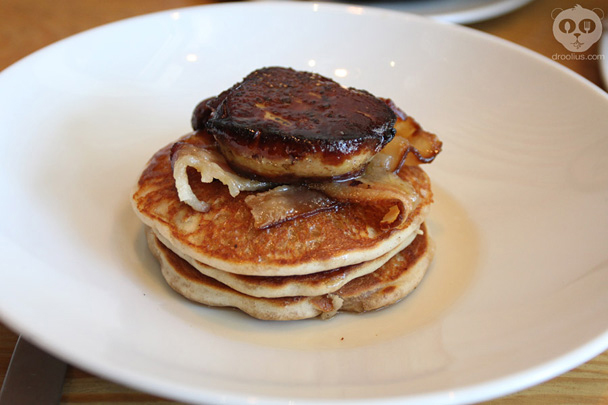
pixel 28 25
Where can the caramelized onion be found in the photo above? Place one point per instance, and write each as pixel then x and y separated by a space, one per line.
pixel 284 203
pixel 211 165
pixel 411 146
pixel 377 187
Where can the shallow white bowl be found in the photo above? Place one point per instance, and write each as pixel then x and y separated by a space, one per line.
pixel 518 292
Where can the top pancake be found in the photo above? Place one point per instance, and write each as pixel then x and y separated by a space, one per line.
pixel 225 237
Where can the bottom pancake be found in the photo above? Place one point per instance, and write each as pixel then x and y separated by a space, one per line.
pixel 390 283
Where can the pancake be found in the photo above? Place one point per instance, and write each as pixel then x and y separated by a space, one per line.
pixel 324 282
pixel 226 238
pixel 393 281
pixel 390 283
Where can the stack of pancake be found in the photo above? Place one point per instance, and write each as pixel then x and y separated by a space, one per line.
pixel 292 198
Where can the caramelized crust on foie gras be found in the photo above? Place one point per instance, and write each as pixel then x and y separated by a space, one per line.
pixel 286 126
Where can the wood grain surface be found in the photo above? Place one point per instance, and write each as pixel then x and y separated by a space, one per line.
pixel 28 25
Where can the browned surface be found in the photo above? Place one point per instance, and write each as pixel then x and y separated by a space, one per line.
pixel 278 119
pixel 196 278
pixel 391 271
pixel 227 232
pixel 385 286
pixel 28 25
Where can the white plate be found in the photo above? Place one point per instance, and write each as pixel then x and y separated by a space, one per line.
pixel 519 289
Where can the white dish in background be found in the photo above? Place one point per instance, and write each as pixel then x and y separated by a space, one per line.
pixel 454 11
pixel 603 50
pixel 518 292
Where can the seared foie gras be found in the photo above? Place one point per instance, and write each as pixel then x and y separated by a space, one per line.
pixel 286 126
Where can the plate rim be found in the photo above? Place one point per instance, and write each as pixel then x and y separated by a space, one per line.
pixel 592 349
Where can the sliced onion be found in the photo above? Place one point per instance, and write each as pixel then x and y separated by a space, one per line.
pixel 377 187
pixel 411 146
pixel 211 165
pixel 285 203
